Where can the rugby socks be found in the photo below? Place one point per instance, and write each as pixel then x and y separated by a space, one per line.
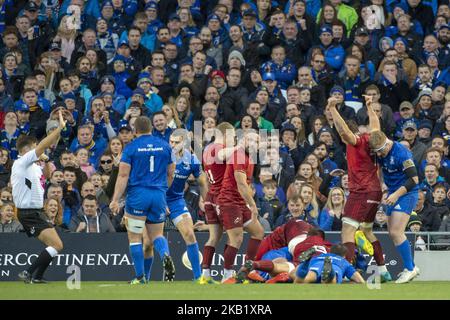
pixel 302 270
pixel 162 246
pixel 148 262
pixel 137 255
pixel 228 273
pixel 42 262
pixel 194 258
pixel 252 249
pixel 208 254
pixel 263 265
pixel 405 251
pixel 350 255
pixel 229 256
pixel 378 253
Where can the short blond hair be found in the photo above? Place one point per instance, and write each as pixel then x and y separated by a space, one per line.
pixel 377 139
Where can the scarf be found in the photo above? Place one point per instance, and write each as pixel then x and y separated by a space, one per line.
pixel 10 144
pixel 352 90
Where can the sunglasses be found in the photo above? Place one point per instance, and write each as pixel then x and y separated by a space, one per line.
pixel 106 161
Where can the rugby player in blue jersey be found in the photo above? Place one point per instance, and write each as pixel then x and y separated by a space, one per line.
pixel 187 164
pixel 146 170
pixel 330 268
pixel 401 179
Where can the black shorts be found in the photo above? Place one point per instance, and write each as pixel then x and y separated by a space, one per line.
pixel 34 221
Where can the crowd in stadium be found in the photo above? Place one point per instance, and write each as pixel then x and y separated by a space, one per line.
pixel 258 64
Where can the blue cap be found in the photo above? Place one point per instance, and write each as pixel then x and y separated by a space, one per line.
pixel 124 43
pixel 425 124
pixel 213 17
pixel 249 12
pixel 402 40
pixel 119 57
pixel 325 129
pixel 337 89
pixel 325 29
pixel 410 124
pixel 288 127
pixel 107 4
pixel 268 76
pixel 107 79
pixel 22 107
pixel 125 125
pixel 444 26
pixel 402 6
pixel 140 92
pixel 69 95
pixel 174 16
pixel 151 5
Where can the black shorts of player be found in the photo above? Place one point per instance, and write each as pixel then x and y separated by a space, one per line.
pixel 34 221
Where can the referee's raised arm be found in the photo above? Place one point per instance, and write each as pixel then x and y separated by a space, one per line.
pixel 52 138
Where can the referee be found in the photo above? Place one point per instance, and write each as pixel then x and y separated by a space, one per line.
pixel 28 195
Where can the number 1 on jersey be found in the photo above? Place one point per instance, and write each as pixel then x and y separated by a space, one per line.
pixel 152 163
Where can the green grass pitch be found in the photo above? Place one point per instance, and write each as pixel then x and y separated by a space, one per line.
pixel 182 290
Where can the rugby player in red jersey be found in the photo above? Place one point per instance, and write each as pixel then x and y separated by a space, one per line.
pixel 364 184
pixel 214 165
pixel 236 206
pixel 294 229
pixel 283 269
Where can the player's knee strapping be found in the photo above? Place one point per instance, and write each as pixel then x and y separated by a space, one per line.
pixel 367 225
pixel 351 222
pixel 135 225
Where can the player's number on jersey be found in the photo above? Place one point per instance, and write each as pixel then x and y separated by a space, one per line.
pixel 152 163
pixel 210 176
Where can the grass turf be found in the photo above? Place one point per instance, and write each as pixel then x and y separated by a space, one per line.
pixel 182 290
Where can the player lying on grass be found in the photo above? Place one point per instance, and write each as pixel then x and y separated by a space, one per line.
pixel 329 268
pixel 279 265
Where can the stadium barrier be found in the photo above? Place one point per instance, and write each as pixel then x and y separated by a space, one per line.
pixel 105 257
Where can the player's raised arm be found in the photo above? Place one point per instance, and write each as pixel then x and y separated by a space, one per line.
pixel 347 136
pixel 121 184
pixel 374 121
pixel 52 138
pixel 245 191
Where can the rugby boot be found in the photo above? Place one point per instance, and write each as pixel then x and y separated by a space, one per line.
pixel 280 278
pixel 169 268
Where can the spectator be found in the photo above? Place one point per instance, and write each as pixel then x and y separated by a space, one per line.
pixel 331 214
pixel 85 139
pixel 54 213
pixel 380 223
pixel 82 160
pixel 294 210
pixel 409 132
pixel 430 219
pixel 270 189
pixel 5 167
pixel 439 197
pixel 90 219
pixel 8 220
